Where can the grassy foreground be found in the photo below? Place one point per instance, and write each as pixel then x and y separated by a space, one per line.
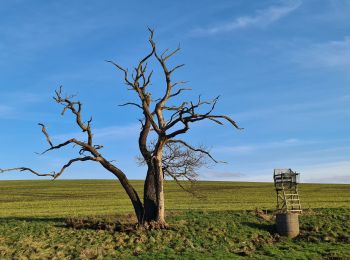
pixel 222 225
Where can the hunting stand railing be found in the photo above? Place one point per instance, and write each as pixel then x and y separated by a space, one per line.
pixel 286 184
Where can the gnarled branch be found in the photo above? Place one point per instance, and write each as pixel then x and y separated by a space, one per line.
pixel 54 175
pixel 28 169
pixel 43 129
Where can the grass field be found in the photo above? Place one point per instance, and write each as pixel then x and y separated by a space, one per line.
pixel 221 224
pixel 86 197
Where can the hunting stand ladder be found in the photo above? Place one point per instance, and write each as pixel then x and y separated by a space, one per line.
pixel 286 184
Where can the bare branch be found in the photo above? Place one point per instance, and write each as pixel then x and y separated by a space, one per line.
pixel 179 83
pixel 123 70
pixel 79 159
pixel 43 129
pixel 75 107
pixel 28 169
pixel 170 55
pixel 230 120
pixel 190 189
pixel 54 175
pixel 187 113
pixel 130 103
pixel 179 92
pixel 176 67
pixel 193 148
pixel 70 141
pixel 164 52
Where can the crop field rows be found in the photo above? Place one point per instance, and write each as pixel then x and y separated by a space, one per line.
pixel 83 197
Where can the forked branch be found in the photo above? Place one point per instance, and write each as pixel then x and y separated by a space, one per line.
pixel 75 107
pixel 30 170
pixel 54 175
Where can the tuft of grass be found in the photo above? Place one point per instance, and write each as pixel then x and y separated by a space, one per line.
pixel 328 225
pixel 111 223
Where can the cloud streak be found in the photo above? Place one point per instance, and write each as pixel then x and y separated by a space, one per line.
pixel 332 54
pixel 248 149
pixel 262 18
pixel 15 105
pixel 219 175
pixel 332 172
pixel 331 105
pixel 6 111
pixel 336 172
pixel 128 132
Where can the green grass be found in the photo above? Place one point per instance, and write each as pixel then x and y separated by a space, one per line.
pixel 86 197
pixel 223 225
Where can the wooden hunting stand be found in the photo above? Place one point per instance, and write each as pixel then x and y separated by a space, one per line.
pixel 288 202
pixel 286 185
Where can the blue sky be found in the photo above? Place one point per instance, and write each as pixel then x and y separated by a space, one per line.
pixel 282 69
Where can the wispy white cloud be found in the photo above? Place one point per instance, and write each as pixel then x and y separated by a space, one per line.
pixel 106 134
pixel 24 36
pixel 219 175
pixel 248 149
pixel 332 172
pixel 332 54
pixel 23 97
pixel 6 111
pixel 314 108
pixel 240 149
pixel 335 172
pixel 117 132
pixel 262 18
pixel 15 105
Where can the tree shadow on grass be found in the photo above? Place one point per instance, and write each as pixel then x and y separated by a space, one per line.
pixel 31 219
pixel 269 227
pixel 89 223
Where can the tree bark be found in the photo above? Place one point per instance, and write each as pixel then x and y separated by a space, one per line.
pixel 154 194
pixel 150 195
pixel 160 189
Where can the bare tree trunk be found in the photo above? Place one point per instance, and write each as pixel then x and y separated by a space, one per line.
pixel 154 194
pixel 160 189
pixel 150 195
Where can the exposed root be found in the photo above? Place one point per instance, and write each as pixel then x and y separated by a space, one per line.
pixel 127 223
pixel 154 225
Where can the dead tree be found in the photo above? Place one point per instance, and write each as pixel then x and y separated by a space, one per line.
pixel 164 155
